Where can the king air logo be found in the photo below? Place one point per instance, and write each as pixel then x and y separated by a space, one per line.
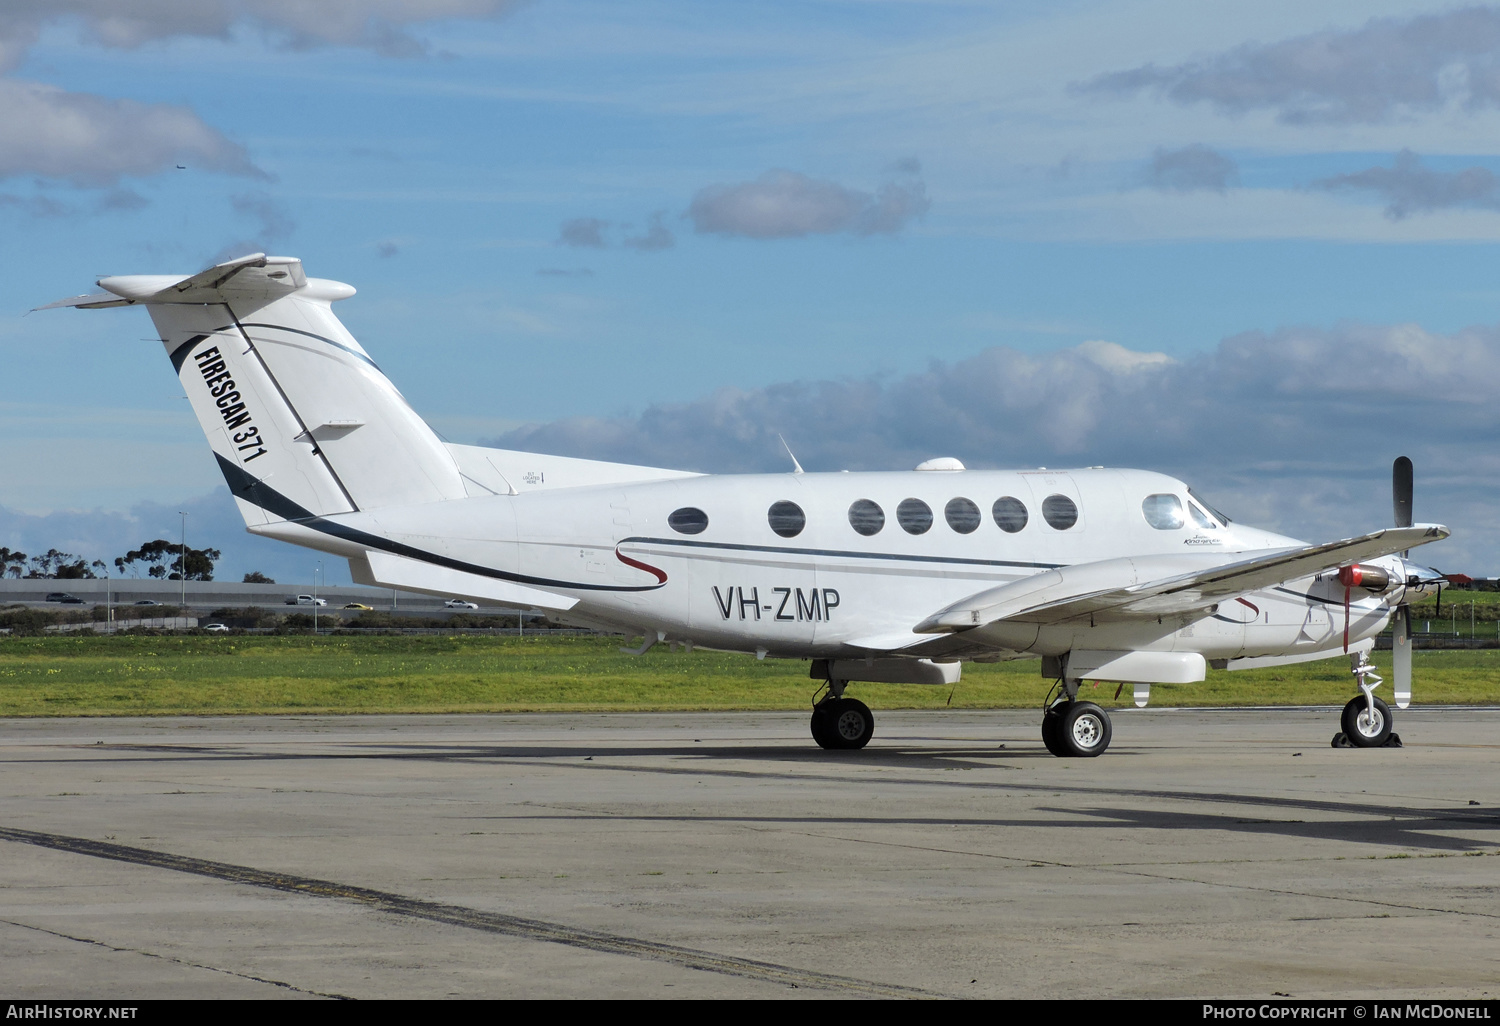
pixel 221 388
pixel 790 603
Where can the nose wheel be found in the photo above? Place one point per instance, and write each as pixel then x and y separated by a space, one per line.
pixel 1366 720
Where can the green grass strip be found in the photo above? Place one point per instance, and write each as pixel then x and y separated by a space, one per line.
pixel 255 674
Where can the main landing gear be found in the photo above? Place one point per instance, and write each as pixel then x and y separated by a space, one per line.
pixel 839 722
pixel 1071 728
pixel 1366 720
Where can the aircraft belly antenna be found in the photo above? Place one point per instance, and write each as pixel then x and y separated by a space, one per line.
pixel 797 467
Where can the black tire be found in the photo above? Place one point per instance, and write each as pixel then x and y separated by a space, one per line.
pixel 848 723
pixel 1361 731
pixel 822 731
pixel 1083 730
pixel 1050 719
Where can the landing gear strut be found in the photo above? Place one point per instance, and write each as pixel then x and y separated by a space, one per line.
pixel 1366 720
pixel 839 722
pixel 1071 728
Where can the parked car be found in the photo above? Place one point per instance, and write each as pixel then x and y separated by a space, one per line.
pixel 357 605
pixel 305 600
pixel 64 598
pixel 460 604
pixel 215 627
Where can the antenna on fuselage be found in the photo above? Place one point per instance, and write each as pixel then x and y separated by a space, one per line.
pixel 796 467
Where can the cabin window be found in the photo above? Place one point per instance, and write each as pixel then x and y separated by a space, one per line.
pixel 1201 518
pixel 962 515
pixel 1010 514
pixel 1059 511
pixel 866 517
pixel 914 516
pixel 1163 512
pixel 786 518
pixel 688 520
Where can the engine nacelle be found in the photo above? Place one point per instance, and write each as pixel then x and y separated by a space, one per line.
pixel 1362 575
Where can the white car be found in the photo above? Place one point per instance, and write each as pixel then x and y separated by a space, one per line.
pixel 306 600
pixel 215 627
pixel 460 604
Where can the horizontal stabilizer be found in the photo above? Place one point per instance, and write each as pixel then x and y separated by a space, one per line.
pixel 256 277
pixel 92 301
pixel 388 571
pixel 1148 587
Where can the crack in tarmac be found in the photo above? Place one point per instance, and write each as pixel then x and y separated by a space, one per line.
pixel 179 961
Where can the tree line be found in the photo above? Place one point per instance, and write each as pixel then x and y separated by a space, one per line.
pixel 160 559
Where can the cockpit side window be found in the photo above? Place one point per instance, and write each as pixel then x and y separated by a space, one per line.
pixel 1201 518
pixel 1200 500
pixel 1163 512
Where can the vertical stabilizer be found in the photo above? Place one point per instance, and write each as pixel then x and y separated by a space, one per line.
pixel 301 419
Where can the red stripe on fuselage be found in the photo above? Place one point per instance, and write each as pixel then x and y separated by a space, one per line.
pixel 661 575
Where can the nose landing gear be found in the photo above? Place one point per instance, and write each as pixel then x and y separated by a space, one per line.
pixel 1366 720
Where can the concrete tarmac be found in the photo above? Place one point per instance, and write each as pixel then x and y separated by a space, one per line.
pixel 1209 854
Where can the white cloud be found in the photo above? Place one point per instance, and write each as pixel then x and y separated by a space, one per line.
pixel 1411 188
pixel 379 25
pixel 1387 67
pixel 657 236
pixel 784 204
pixel 582 232
pixel 90 140
pixel 1190 168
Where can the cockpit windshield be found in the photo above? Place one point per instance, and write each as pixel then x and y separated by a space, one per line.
pixel 1209 506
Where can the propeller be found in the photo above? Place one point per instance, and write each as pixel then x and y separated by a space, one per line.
pixel 1376 579
pixel 1401 492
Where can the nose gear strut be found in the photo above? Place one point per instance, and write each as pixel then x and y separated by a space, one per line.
pixel 1366 720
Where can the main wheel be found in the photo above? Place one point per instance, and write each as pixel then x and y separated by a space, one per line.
pixel 822 730
pixel 1050 719
pixel 1361 728
pixel 1083 729
pixel 846 723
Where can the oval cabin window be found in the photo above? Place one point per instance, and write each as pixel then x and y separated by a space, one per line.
pixel 1010 514
pixel 786 518
pixel 914 516
pixel 1163 512
pixel 688 520
pixel 962 515
pixel 1059 511
pixel 866 517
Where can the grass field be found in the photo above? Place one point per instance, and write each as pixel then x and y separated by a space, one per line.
pixel 198 675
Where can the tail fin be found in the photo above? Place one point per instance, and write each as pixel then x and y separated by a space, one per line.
pixel 299 416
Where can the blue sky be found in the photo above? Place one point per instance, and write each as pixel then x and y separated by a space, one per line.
pixel 1249 244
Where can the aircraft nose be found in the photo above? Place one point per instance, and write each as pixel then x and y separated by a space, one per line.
pixel 1422 579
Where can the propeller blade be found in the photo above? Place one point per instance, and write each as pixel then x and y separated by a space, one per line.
pixel 1401 655
pixel 1401 489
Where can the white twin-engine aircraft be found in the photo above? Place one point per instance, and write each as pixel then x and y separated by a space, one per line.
pixel 1108 575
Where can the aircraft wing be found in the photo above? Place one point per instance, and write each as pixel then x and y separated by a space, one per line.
pixel 1148 587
